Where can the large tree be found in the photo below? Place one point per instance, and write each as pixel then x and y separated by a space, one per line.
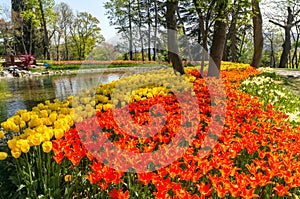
pixel 85 34
pixel 45 6
pixel 173 52
pixel 120 14
pixel 257 33
pixel 30 19
pixel 287 45
pixel 22 27
pixel 6 32
pixel 64 16
pixel 219 38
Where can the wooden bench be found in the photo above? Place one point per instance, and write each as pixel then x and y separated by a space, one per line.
pixel 10 60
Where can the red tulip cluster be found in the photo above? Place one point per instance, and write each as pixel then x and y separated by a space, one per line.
pixel 256 154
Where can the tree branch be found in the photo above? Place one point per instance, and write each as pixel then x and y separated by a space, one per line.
pixel 296 22
pixel 297 13
pixel 278 24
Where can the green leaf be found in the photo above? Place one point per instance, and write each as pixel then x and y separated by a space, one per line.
pixel 21 187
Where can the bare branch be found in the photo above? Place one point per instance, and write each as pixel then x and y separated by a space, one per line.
pixel 297 13
pixel 278 24
pixel 296 22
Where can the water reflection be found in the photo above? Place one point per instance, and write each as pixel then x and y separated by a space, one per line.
pixel 25 93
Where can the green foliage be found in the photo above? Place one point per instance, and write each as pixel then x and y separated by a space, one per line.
pixel 85 34
pixel 8 184
pixel 36 175
pixel 104 52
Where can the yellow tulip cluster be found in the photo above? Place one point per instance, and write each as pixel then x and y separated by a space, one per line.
pixel 128 89
pixel 224 66
pixel 233 66
pixel 38 126
pixel 139 87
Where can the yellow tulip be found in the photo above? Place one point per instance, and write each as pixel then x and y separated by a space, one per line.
pixel 52 117
pixel 149 95
pixel 4 125
pixel 16 153
pixel 12 143
pixel 34 140
pixel 123 104
pixel 17 119
pixel 22 124
pixel 59 133
pixel 68 178
pixel 16 129
pixel 25 147
pixel 44 113
pixel 45 137
pixel 47 146
pixel 34 122
pixel 3 155
pixel 40 106
pixel 1 134
pixel 99 107
pixel 88 108
pixel 25 116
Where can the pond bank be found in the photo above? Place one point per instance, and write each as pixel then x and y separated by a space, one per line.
pixel 13 71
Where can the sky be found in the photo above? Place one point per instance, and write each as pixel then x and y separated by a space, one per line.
pixel 94 7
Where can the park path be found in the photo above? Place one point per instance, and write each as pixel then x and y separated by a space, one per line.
pixel 288 73
pixel 293 77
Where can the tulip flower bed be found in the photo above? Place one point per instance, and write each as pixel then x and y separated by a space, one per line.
pixel 61 149
pixel 268 90
pixel 91 64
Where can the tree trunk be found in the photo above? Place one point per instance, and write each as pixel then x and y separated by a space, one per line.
pixel 203 23
pixel 23 40
pixel 225 50
pixel 30 39
pixel 130 31
pixel 140 31
pixel 273 59
pixel 149 30
pixel 295 57
pixel 287 38
pixel 217 47
pixel 233 32
pixel 258 34
pixel 46 36
pixel 233 44
pixel 57 48
pixel 155 30
pixel 173 51
pixel 286 48
pixel 66 45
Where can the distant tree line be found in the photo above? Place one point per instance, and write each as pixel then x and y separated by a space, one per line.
pixel 237 29
pixel 49 31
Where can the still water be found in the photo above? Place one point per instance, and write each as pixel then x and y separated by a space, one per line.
pixel 25 93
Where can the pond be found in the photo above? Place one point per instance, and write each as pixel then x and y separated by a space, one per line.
pixel 25 93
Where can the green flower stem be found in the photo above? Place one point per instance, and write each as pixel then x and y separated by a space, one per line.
pixel 40 167
pixel 31 188
pixel 19 169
